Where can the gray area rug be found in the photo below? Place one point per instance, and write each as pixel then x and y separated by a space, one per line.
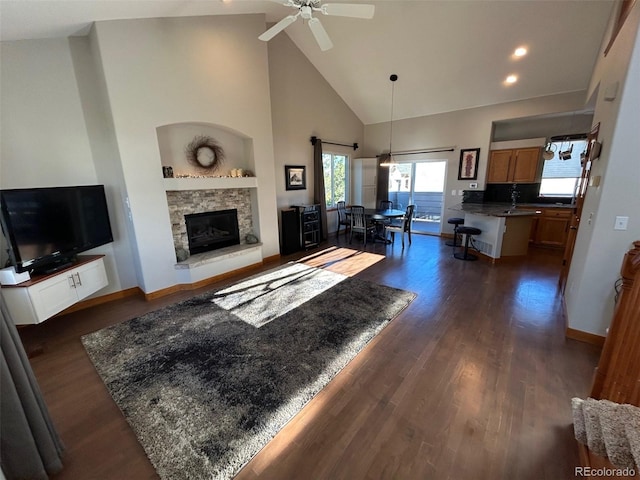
pixel 206 383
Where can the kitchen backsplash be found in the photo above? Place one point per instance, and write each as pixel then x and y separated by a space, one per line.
pixel 501 192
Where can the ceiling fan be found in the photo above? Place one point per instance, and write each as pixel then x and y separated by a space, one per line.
pixel 306 9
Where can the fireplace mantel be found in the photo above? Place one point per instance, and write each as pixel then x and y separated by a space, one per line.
pixel 209 183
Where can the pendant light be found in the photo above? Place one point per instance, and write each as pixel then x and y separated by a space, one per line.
pixel 388 159
pixel 549 151
pixel 566 154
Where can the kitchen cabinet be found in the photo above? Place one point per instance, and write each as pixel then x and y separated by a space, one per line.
pixel 40 298
pixel 553 227
pixel 513 165
pixel 365 172
pixel 550 226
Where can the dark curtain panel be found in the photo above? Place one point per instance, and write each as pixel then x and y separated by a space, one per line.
pixel 29 445
pixel 382 189
pixel 318 187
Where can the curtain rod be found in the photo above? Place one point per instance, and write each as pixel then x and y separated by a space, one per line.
pixel 353 145
pixel 568 138
pixel 417 152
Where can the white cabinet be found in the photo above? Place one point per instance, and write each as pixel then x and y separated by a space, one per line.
pixel 365 178
pixel 42 297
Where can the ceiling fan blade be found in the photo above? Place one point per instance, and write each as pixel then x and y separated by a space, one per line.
pixel 321 34
pixel 349 10
pixel 277 28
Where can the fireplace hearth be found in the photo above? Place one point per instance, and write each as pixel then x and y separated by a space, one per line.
pixel 212 230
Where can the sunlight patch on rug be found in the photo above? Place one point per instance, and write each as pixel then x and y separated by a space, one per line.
pixel 261 299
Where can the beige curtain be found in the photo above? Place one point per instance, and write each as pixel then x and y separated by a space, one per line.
pixel 29 445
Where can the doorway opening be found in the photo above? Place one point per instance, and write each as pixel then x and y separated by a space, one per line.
pixel 420 183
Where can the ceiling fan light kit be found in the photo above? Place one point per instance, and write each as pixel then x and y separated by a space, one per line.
pixel 306 9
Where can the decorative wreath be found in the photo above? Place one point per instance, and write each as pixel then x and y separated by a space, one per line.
pixel 205 153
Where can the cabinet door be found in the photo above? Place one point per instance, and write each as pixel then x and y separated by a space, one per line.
pixel 89 278
pixel 498 171
pixel 552 231
pixel 53 295
pixel 290 231
pixel 525 165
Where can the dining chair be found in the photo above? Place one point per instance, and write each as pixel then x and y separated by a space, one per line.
pixel 343 218
pixel 383 224
pixel 385 205
pixel 402 225
pixel 360 223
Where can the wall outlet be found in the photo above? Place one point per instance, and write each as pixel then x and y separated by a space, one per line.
pixel 453 193
pixel 460 192
pixel 621 223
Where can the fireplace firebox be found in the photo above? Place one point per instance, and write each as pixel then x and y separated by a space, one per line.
pixel 212 230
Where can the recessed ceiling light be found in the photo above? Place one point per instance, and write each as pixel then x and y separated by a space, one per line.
pixel 511 79
pixel 520 52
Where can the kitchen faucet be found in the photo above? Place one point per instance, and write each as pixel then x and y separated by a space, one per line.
pixel 514 195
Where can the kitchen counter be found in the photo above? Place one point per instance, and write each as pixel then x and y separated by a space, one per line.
pixel 505 230
pixel 504 209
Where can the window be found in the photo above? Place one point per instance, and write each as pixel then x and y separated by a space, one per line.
pixel 335 167
pixel 560 177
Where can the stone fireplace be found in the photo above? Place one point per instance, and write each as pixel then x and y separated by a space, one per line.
pixel 193 202
pixel 208 231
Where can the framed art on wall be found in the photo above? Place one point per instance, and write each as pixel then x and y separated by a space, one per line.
pixel 295 177
pixel 468 169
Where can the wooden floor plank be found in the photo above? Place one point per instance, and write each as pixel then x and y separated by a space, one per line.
pixel 472 381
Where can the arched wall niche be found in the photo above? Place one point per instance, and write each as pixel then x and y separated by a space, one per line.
pixel 174 138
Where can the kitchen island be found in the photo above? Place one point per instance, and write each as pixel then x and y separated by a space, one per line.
pixel 505 229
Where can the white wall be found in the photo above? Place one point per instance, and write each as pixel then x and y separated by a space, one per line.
pixel 44 139
pixel 462 129
pixel 599 248
pixel 304 105
pixel 166 71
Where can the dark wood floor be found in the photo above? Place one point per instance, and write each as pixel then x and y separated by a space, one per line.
pixel 472 381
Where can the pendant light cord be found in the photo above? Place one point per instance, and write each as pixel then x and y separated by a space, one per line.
pixel 393 79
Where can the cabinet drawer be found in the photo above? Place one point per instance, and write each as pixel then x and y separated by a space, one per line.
pixel 557 212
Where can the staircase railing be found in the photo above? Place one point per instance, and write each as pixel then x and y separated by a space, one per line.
pixel 617 377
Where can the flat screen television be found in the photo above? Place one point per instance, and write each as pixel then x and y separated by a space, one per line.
pixel 46 228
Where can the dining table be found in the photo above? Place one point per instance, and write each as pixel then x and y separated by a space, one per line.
pixel 379 215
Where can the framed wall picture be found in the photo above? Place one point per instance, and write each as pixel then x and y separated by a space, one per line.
pixel 295 177
pixel 469 164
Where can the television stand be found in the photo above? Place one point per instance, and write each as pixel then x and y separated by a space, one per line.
pixel 45 295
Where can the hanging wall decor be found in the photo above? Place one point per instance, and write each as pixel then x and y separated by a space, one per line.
pixel 468 169
pixel 205 152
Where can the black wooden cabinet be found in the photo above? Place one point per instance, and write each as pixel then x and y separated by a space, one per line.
pixel 300 228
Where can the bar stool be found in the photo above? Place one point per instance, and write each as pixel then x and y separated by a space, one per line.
pixel 467 231
pixel 456 222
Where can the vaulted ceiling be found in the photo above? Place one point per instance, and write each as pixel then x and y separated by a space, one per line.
pixel 449 55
